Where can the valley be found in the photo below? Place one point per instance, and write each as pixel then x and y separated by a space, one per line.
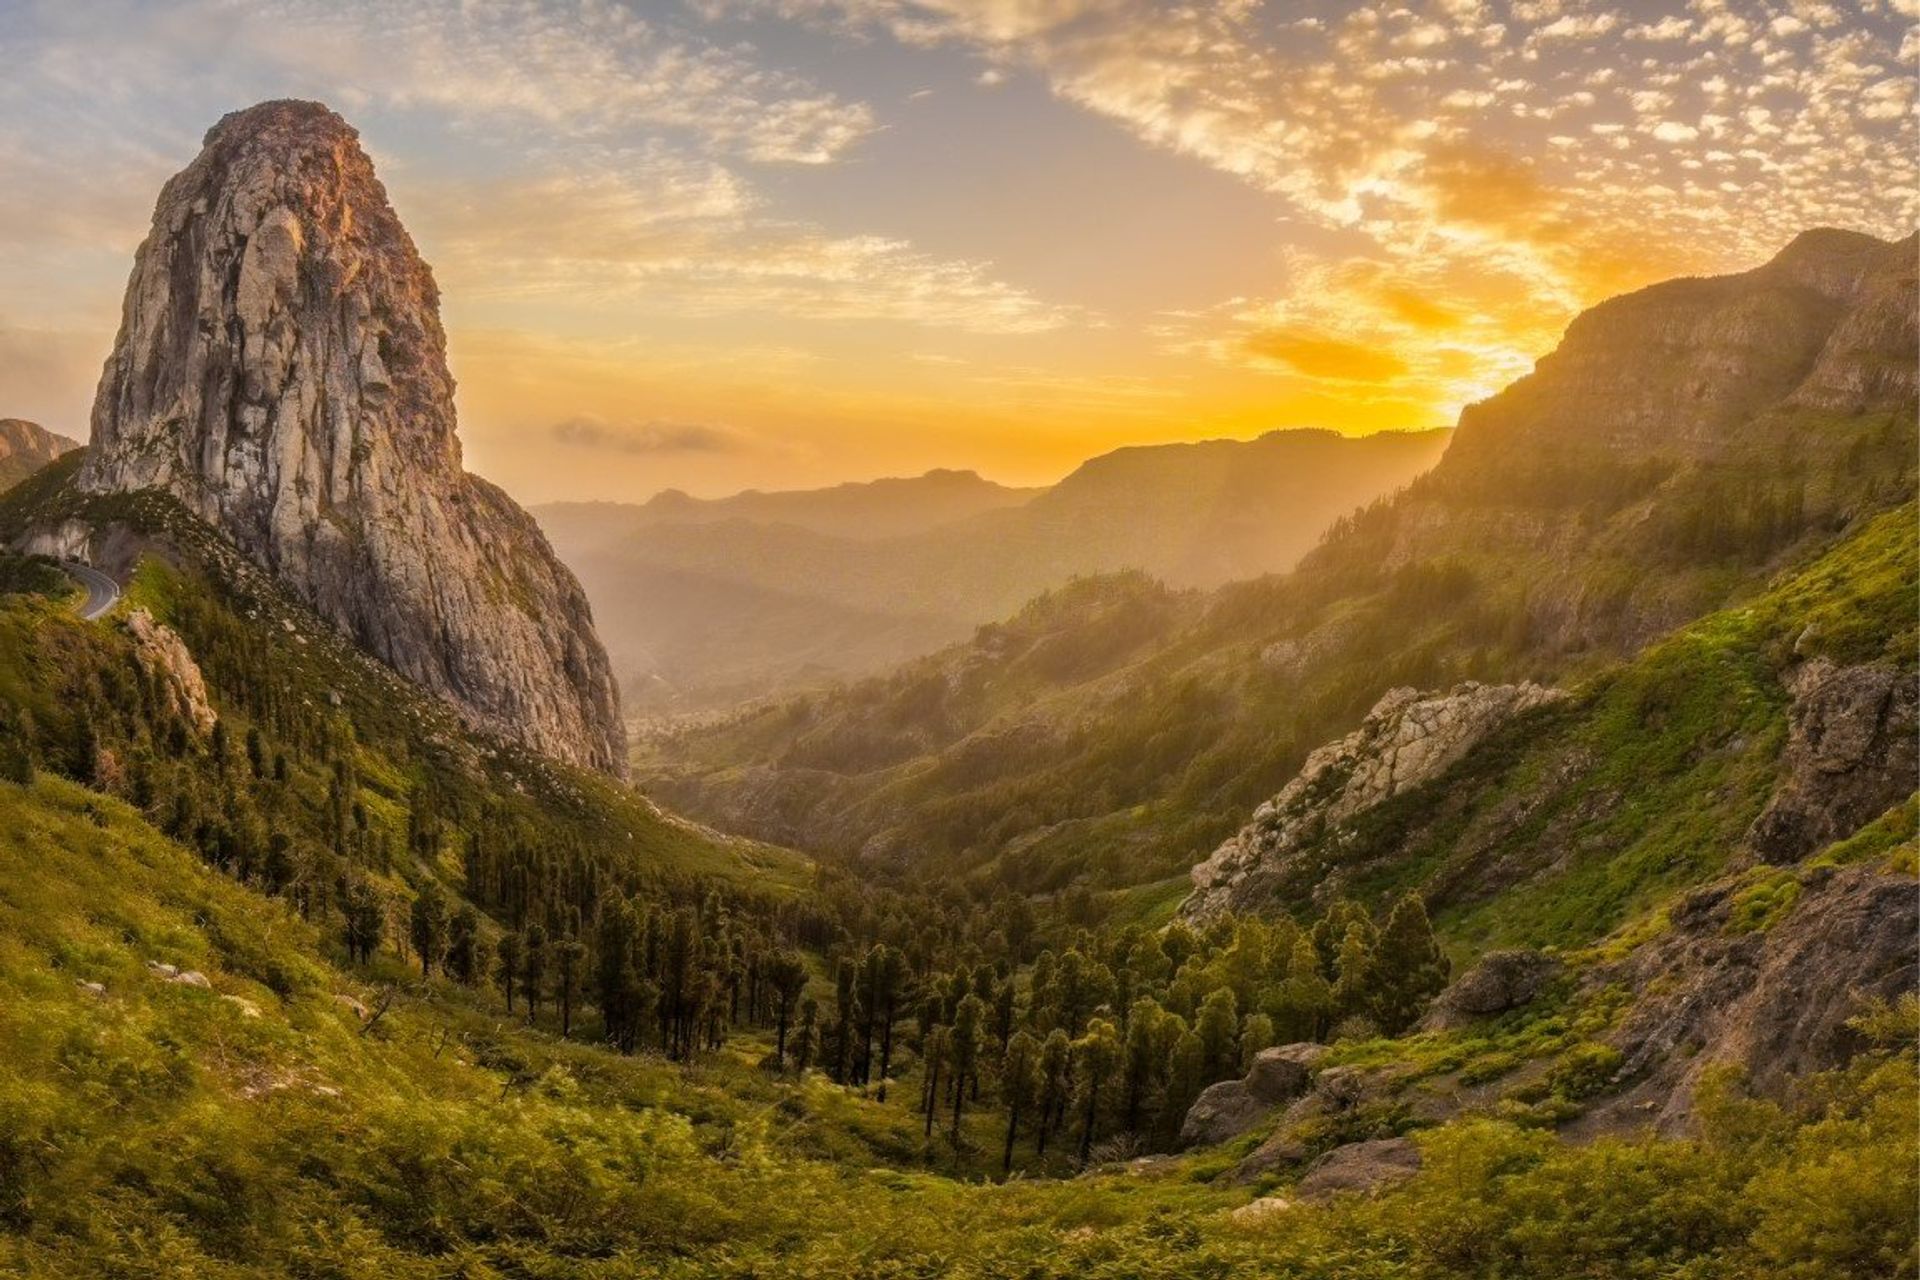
pixel 1487 852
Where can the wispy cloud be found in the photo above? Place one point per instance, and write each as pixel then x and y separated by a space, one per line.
pixel 647 437
pixel 1501 151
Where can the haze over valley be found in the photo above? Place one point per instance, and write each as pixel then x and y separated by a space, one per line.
pixel 1060 639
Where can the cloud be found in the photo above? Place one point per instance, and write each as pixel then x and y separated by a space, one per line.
pixel 652 232
pixel 1392 133
pixel 587 432
pixel 1320 356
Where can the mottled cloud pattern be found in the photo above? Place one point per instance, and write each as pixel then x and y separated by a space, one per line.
pixel 808 217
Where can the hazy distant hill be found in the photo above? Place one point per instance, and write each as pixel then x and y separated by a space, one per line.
pixel 25 447
pixel 874 509
pixel 1682 445
pixel 703 602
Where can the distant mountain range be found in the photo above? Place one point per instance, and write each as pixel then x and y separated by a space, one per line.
pixel 702 603
pixel 25 447
pixel 1682 446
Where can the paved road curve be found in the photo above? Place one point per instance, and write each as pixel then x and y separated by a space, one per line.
pixel 102 591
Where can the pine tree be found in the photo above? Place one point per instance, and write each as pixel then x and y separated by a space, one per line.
pixel 1186 1077
pixel 533 968
pixel 963 1044
pixel 365 912
pixel 1143 1058
pixel 787 974
pixel 1096 1052
pixel 806 1036
pixel 1355 969
pixel 507 951
pixel 1411 968
pixel 934 1053
pixel 1219 1029
pixel 1256 1033
pixel 569 963
pixel 1018 1086
pixel 1305 1000
pixel 625 1000
pixel 1055 1076
pixel 428 926
pixel 463 946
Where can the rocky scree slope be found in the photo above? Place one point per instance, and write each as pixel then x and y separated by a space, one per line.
pixel 281 370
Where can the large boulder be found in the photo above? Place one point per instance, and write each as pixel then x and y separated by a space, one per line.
pixel 1231 1107
pixel 1502 980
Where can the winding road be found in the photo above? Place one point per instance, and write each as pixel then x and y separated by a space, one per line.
pixel 102 591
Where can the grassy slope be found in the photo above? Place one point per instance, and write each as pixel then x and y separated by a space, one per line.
pixel 243 627
pixel 160 1129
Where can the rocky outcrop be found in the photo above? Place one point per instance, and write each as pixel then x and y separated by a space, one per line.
pixel 1500 981
pixel 1850 756
pixel 25 447
pixel 1231 1107
pixel 163 654
pixel 1773 1002
pixel 1406 740
pixel 281 370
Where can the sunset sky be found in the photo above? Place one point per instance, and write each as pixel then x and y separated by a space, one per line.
pixel 724 243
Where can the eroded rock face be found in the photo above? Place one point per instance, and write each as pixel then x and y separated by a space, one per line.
pixel 1500 981
pixel 161 652
pixel 1772 1002
pixel 1850 756
pixel 1406 740
pixel 281 370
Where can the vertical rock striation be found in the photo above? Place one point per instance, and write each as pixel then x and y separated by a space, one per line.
pixel 281 370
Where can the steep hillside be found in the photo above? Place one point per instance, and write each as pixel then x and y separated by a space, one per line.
pixel 209 672
pixel 281 370
pixel 25 447
pixel 776 590
pixel 1510 560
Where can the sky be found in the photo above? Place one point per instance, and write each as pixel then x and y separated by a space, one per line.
pixel 717 244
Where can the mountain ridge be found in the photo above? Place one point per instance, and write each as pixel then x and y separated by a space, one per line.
pixel 25 447
pixel 1194 513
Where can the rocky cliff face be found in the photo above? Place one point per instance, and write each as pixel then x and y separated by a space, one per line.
pixel 25 447
pixel 1850 756
pixel 1407 739
pixel 1830 323
pixel 281 370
